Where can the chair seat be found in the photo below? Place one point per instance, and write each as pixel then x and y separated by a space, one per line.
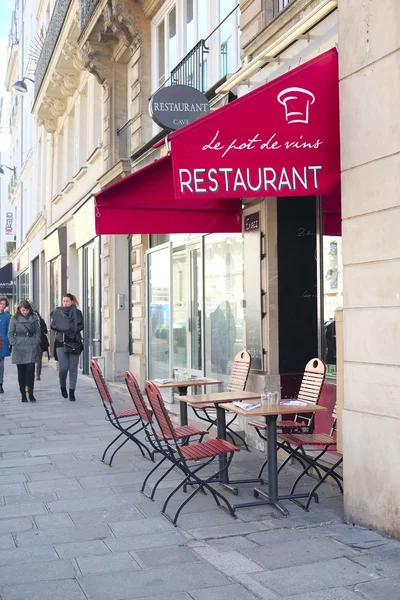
pixel 126 412
pixel 309 439
pixel 184 431
pixel 287 424
pixel 202 407
pixel 207 449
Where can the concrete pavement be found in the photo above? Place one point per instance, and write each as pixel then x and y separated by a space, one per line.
pixel 72 528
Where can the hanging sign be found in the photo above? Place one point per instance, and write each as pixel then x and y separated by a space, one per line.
pixel 9 226
pixel 175 106
pixel 280 140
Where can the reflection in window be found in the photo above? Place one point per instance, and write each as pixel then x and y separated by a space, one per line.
pixel 223 302
pixel 333 296
pixel 172 39
pixel 161 53
pixel 226 46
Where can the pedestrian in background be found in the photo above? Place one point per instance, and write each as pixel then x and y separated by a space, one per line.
pixel 5 318
pixel 24 337
pixel 67 322
pixel 44 345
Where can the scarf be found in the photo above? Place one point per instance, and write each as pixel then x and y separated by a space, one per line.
pixel 65 319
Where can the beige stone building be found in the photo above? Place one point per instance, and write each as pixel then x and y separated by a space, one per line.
pixel 153 302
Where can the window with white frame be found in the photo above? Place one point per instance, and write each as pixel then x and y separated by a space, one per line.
pixel 178 28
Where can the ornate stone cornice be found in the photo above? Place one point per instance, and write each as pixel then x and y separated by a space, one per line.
pixel 66 82
pixel 95 63
pixel 50 125
pixel 70 52
pixel 122 26
pixel 57 106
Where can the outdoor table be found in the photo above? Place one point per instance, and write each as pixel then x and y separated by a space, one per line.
pixel 271 413
pixel 217 399
pixel 183 390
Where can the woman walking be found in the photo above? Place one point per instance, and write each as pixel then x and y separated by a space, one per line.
pixel 4 343
pixel 44 345
pixel 67 322
pixel 24 337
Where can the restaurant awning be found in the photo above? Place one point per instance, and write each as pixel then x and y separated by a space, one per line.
pixel 282 139
pixel 144 202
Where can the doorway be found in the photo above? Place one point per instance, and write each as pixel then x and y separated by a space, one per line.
pixel 91 304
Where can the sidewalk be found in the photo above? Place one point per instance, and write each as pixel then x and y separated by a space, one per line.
pixel 72 528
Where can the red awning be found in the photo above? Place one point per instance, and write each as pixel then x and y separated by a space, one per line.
pixel 282 139
pixel 144 202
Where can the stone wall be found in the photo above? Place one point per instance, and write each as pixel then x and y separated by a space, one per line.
pixel 369 51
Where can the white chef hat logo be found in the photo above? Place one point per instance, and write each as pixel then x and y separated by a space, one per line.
pixel 297 103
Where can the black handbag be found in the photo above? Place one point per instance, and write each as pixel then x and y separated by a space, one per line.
pixel 72 347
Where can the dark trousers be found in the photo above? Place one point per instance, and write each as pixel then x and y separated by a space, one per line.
pixel 39 362
pixel 26 377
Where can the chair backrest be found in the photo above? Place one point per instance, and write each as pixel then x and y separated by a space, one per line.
pixel 312 382
pixel 239 372
pixel 100 383
pixel 160 412
pixel 137 398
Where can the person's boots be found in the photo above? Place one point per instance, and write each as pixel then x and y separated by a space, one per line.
pixel 23 395
pixel 64 392
pixel 1 389
pixel 72 395
pixel 31 396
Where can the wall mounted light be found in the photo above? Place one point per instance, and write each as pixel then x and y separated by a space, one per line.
pixel 20 85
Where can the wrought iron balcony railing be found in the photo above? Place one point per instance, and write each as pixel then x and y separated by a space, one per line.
pixel 56 22
pixel 87 7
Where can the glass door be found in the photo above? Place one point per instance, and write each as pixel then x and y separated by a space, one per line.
pixel 91 303
pixel 187 308
pixel 159 313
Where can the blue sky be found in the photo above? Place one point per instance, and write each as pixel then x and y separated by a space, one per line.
pixel 6 8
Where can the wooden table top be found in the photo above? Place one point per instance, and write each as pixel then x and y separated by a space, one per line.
pixel 187 383
pixel 274 409
pixel 219 397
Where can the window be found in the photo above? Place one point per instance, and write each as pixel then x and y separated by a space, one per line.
pixel 178 29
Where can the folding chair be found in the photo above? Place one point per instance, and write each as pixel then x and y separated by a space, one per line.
pixel 155 437
pixel 117 418
pixel 310 391
pixel 237 383
pixel 319 442
pixel 191 459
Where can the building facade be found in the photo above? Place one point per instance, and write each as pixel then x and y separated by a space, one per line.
pixel 154 302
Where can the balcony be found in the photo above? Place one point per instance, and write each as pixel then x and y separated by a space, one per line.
pixel 192 70
pixel 56 22
pixel 87 7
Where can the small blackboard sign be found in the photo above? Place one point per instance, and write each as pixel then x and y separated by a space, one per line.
pixel 253 291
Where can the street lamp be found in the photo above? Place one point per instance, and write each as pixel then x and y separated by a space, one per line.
pixel 9 168
pixel 20 85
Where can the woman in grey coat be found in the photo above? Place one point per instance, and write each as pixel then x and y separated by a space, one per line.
pixel 24 336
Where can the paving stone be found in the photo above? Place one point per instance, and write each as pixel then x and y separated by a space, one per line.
pixel 111 479
pixel 298 552
pixel 36 571
pixel 16 525
pixel 91 503
pixel 33 498
pixel 9 479
pixel 335 594
pixel 157 557
pixel 12 488
pixel 83 493
pixel 176 596
pixel 66 589
pixel 307 578
pixel 197 520
pixel 112 514
pixel 21 510
pixel 23 462
pixel 357 537
pixel 230 563
pixel 277 536
pixel 75 549
pixel 53 521
pixel 237 542
pixel 63 534
pixel 228 592
pixel 385 561
pixel 53 485
pixel 160 581
pixel 6 542
pixel 384 589
pixel 141 527
pixel 235 528
pixel 152 540
pixel 23 555
pixel 107 563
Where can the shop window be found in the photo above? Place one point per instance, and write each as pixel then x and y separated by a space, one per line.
pixel 332 296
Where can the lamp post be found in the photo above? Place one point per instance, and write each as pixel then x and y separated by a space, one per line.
pixel 20 85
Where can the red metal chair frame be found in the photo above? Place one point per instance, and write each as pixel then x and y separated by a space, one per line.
pixel 117 418
pixel 237 383
pixel 154 437
pixel 182 457
pixel 320 442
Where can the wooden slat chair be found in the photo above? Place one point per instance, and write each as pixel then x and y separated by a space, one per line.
pixel 237 383
pixel 310 391
pixel 153 436
pixel 301 444
pixel 190 459
pixel 120 419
